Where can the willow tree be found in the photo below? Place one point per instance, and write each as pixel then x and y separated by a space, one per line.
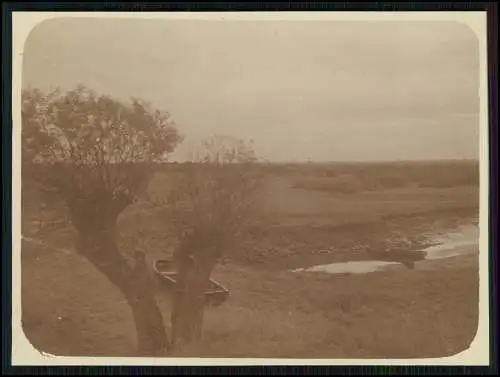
pixel 98 154
pixel 211 202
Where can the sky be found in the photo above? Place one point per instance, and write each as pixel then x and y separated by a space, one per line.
pixel 300 90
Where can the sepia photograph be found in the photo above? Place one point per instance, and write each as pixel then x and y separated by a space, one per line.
pixel 251 189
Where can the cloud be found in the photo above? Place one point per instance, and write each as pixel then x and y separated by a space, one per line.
pixel 330 83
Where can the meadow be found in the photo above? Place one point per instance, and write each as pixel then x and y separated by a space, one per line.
pixel 307 214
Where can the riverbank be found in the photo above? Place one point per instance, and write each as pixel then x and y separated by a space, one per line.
pixel 431 311
pixel 69 308
pixel 427 312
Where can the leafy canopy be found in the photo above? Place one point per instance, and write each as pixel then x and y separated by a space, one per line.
pixel 93 148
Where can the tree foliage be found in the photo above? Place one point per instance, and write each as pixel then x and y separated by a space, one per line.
pixel 214 197
pixel 211 201
pixel 98 154
pixel 87 146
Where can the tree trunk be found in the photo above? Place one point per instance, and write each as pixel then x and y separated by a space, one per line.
pixel 193 278
pixel 98 245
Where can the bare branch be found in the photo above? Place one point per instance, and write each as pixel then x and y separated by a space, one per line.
pixel 213 196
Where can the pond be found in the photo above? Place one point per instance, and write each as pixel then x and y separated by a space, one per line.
pixel 462 241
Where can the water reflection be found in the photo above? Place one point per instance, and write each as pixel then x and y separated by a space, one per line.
pixel 462 241
pixel 357 267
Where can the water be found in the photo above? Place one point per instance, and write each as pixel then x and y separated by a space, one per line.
pixel 462 241
pixel 358 267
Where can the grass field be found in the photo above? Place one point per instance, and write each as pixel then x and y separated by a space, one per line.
pixel 354 210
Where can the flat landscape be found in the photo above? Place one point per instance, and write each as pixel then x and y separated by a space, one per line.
pixel 307 215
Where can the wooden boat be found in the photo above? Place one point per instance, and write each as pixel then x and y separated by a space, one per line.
pixel 215 295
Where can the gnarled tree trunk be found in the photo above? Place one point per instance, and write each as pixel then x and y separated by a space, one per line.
pixel 97 243
pixel 193 277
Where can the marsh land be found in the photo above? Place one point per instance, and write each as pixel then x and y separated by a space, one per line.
pixel 309 215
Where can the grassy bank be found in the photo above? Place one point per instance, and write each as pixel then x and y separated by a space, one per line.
pixel 70 309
